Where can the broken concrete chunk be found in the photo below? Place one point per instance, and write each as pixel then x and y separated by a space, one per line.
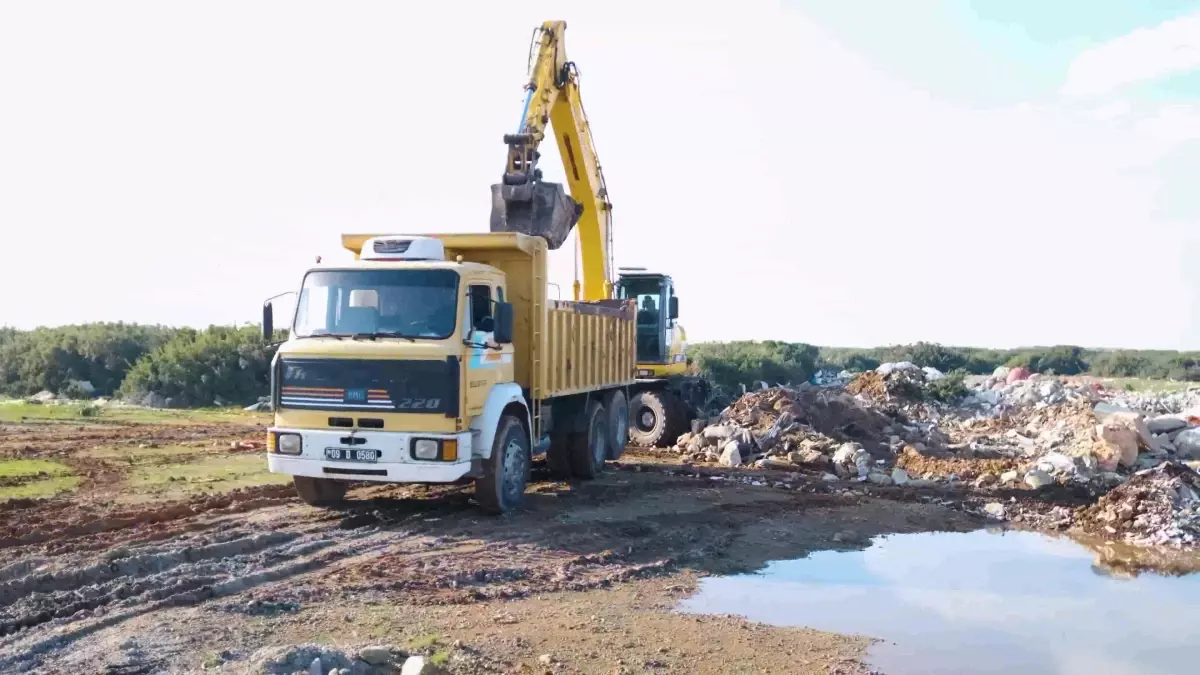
pixel 1165 424
pixel 1037 479
pixel 995 510
pixel 731 454
pixel 1187 444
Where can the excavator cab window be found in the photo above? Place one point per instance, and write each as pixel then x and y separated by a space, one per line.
pixel 652 294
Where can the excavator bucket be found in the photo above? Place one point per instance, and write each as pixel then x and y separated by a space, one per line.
pixel 541 209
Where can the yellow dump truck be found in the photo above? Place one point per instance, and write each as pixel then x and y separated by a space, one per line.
pixel 440 359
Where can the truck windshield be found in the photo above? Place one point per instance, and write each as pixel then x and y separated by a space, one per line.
pixel 378 303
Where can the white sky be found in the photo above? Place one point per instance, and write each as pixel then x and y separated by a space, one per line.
pixel 171 164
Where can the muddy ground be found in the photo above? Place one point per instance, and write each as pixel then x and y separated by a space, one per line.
pixel 154 563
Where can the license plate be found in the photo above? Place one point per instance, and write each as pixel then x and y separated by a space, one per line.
pixel 351 455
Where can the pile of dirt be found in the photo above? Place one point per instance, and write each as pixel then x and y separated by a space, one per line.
pixel 1155 507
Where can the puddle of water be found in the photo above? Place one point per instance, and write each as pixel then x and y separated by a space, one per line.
pixel 976 602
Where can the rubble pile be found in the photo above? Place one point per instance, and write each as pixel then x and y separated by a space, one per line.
pixel 901 381
pixel 1155 507
pixel 1013 431
pixel 805 427
pixel 1007 389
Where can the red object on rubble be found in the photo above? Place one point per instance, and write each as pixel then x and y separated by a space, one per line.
pixel 1017 374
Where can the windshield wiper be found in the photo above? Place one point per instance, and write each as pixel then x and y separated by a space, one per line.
pixel 481 345
pixel 339 336
pixel 378 334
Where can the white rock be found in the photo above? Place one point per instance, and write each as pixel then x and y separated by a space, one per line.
pixel 845 453
pixel 417 665
pixel 932 374
pixel 731 454
pixel 900 477
pixel 829 478
pixel 718 432
pixel 375 655
pixel 995 510
pixel 315 668
pixel 1036 479
pixel 1001 372
pixel 1056 462
pixel 879 478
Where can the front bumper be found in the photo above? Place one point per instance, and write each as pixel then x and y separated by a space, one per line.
pixel 395 465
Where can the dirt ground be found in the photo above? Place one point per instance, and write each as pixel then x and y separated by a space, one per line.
pixel 159 557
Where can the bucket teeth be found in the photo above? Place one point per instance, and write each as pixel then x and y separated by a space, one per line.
pixel 536 208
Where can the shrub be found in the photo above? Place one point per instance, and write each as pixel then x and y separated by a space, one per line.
pixel 198 367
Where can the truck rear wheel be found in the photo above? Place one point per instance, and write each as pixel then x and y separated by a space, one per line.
pixel 616 409
pixel 657 418
pixel 589 449
pixel 319 491
pixel 501 488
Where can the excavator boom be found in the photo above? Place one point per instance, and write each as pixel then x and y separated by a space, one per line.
pixel 523 202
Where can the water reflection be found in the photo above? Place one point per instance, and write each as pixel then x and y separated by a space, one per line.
pixel 978 602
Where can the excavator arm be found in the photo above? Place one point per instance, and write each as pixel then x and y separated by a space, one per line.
pixel 523 202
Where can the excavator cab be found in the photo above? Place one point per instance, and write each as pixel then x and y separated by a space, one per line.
pixel 658 346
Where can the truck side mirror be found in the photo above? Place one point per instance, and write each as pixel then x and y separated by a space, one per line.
pixel 268 322
pixel 673 308
pixel 504 323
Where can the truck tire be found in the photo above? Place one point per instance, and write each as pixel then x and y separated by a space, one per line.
pixel 501 488
pixel 319 491
pixel 616 409
pixel 589 448
pixel 655 419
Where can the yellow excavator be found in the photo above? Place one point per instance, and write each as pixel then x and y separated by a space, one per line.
pixel 665 399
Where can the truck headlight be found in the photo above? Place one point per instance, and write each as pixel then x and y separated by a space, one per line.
pixel 289 444
pixel 425 448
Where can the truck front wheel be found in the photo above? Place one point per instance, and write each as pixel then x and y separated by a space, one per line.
pixel 506 473
pixel 319 491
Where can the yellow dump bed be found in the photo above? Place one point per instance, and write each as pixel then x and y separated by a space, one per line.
pixel 560 347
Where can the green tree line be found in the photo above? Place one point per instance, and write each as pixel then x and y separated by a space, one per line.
pixel 190 367
pixel 232 364
pixel 732 363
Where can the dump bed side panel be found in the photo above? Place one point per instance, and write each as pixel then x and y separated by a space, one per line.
pixel 589 346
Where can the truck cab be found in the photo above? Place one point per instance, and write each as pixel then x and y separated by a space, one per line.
pixel 439 359
pixel 391 364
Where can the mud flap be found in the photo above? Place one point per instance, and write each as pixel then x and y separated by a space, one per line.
pixel 540 209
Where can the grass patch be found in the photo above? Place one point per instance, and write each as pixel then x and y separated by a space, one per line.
pixel 46 487
pixel 440 658
pixel 211 475
pixel 15 412
pixel 1142 384
pixel 14 468
pixel 33 478
pixel 423 642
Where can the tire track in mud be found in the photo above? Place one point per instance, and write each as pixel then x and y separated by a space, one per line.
pixel 41 612
pixel 60 521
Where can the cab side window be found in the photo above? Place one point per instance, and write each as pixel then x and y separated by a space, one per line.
pixel 481 308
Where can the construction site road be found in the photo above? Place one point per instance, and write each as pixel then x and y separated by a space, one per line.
pixel 122 575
